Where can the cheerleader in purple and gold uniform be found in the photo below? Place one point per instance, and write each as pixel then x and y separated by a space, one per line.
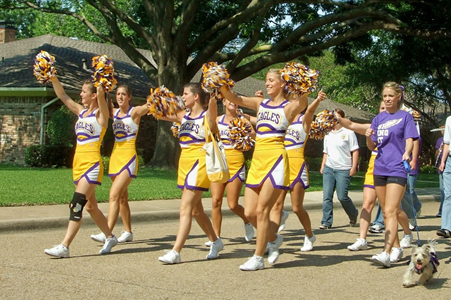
pixel 192 173
pixel 123 165
pixel 269 172
pixel 87 167
pixel 235 162
pixel 295 141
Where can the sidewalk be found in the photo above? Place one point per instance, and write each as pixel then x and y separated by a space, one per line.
pixel 53 216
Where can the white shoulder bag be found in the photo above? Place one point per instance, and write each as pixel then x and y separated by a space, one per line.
pixel 215 159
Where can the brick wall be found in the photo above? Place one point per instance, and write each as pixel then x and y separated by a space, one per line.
pixel 19 127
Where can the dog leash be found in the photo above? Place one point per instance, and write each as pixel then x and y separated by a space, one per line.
pixel 408 170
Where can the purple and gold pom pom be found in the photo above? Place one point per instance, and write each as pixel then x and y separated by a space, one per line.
pixel 299 79
pixel 239 130
pixel 214 77
pixel 43 68
pixel 324 122
pixel 103 72
pixel 163 102
pixel 175 128
pixel 414 113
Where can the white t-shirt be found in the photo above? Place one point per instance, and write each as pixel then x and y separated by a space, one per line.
pixel 447 134
pixel 338 146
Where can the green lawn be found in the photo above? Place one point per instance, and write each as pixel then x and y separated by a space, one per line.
pixel 38 186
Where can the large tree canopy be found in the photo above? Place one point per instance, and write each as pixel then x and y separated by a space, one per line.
pixel 246 35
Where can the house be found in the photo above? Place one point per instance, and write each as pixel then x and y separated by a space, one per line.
pixel 26 105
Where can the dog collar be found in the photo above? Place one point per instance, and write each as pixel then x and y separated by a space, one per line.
pixel 433 260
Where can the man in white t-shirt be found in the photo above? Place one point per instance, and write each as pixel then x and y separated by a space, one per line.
pixel 340 158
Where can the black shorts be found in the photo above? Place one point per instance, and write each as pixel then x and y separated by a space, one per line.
pixel 384 180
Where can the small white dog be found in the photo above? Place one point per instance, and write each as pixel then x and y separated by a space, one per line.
pixel 423 262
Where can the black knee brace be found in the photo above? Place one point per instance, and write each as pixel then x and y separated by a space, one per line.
pixel 76 206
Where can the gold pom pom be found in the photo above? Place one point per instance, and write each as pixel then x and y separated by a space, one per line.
pixel 163 102
pixel 324 122
pixel 43 68
pixel 239 130
pixel 299 79
pixel 103 72
pixel 214 77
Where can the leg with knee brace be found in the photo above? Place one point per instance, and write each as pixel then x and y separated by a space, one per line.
pixel 76 206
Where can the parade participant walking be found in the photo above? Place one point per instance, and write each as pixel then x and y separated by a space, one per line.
pixel 235 162
pixel 123 166
pixel 340 159
pixel 87 166
pixel 269 171
pixel 192 174
pixel 393 133
pixel 295 140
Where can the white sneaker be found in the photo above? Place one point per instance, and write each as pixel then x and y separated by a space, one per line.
pixel 60 251
pixel 215 247
pixel 412 223
pixel 253 264
pixel 101 238
pixel 208 244
pixel 361 244
pixel 248 231
pixel 406 241
pixel 109 244
pixel 376 229
pixel 396 254
pixel 382 258
pixel 171 257
pixel 285 216
pixel 273 247
pixel 125 237
pixel 308 243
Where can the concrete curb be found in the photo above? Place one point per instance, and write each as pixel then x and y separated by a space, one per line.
pixel 172 213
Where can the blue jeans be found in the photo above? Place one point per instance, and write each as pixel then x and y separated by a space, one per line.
pixel 340 180
pixel 379 219
pixel 411 180
pixel 446 209
pixel 442 192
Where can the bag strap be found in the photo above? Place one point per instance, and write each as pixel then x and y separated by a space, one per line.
pixel 208 134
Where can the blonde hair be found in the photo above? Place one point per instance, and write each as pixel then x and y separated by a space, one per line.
pixel 399 89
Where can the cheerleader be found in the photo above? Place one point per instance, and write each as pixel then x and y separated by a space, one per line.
pixel 295 141
pixel 123 165
pixel 269 172
pixel 192 173
pixel 235 162
pixel 87 166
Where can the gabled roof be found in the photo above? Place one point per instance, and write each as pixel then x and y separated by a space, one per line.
pixel 16 68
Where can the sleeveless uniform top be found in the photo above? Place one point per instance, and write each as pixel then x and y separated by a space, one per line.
pixel 125 130
pixel 89 132
pixel 271 123
pixel 192 131
pixel 296 137
pixel 224 133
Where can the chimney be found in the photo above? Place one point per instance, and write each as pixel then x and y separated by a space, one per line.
pixel 7 31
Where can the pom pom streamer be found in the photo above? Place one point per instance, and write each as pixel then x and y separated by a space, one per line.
pixel 163 102
pixel 415 114
pixel 324 122
pixel 43 68
pixel 239 129
pixel 299 79
pixel 214 77
pixel 103 72
pixel 175 128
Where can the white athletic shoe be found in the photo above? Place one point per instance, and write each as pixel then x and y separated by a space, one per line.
pixel 361 244
pixel 59 251
pixel 171 257
pixel 101 238
pixel 109 244
pixel 406 241
pixel 248 231
pixel 308 243
pixel 273 248
pixel 396 254
pixel 382 258
pixel 284 218
pixel 208 244
pixel 125 237
pixel 215 247
pixel 253 264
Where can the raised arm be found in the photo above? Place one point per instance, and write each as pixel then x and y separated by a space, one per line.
pixel 356 127
pixel 104 112
pixel 249 102
pixel 309 113
pixel 212 113
pixel 295 107
pixel 61 93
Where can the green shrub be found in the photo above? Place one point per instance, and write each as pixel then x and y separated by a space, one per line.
pixel 49 156
pixel 60 127
pixel 314 163
pixel 428 169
